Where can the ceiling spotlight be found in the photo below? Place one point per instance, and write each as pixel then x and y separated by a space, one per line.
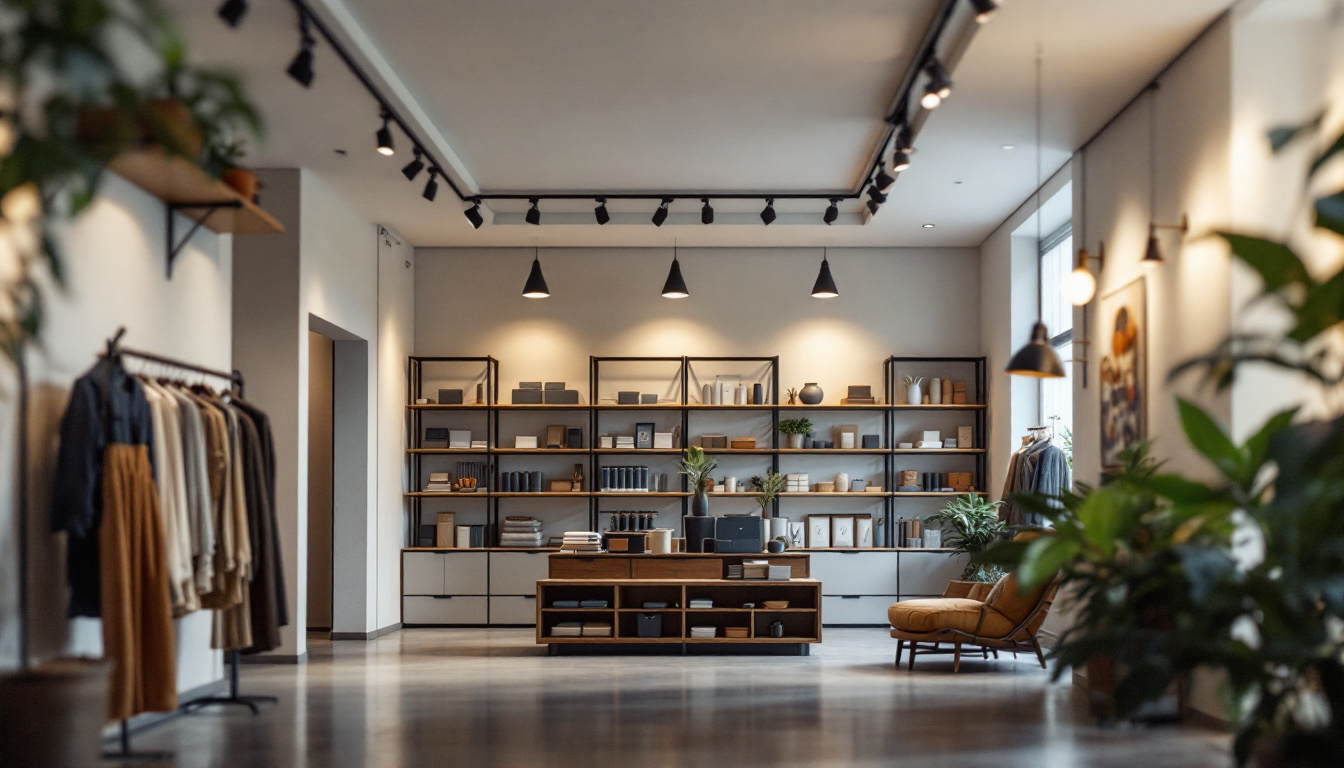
pixel 534 217
pixel 905 139
pixel 675 287
pixel 930 99
pixel 600 212
pixel 883 180
pixel 536 282
pixel 473 214
pixel 939 77
pixel 431 186
pixel 873 205
pixel 414 167
pixel 832 211
pixel 984 9
pixel 928 226
pixel 824 288
pixel 768 213
pixel 660 215
pixel 900 160
pixel 876 195
pixel 301 68
pixel 385 138
pixel 706 212
pixel 232 11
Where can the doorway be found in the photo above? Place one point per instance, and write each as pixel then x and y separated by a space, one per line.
pixel 321 351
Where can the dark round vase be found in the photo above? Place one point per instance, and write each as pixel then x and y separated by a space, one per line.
pixel 700 503
pixel 774 547
pixel 810 394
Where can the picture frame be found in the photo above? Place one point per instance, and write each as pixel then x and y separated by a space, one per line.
pixel 644 435
pixel 556 435
pixel 1123 340
pixel 819 531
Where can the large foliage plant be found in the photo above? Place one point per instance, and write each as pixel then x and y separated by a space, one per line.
pixel 971 524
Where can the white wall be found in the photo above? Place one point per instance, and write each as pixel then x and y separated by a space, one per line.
pixel 115 272
pixel 396 339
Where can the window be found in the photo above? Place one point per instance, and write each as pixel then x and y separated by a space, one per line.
pixel 1057 394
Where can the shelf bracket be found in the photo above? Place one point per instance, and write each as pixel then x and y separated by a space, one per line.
pixel 174 245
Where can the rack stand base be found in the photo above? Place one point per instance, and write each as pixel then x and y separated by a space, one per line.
pixel 234 698
pixel 129 756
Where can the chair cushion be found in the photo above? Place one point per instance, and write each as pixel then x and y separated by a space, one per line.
pixel 938 613
pixel 1006 599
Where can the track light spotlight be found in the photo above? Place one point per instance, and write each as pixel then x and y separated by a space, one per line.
pixel 431 186
pixel 385 138
pixel 939 77
pixel 473 214
pixel 600 212
pixel 534 216
pixel 883 180
pixel 930 99
pixel 232 11
pixel 876 195
pixel 873 205
pixel 824 288
pixel 414 167
pixel 675 287
pixel 905 139
pixel 768 213
pixel 536 282
pixel 900 160
pixel 301 68
pixel 832 211
pixel 706 212
pixel 660 215
pixel 984 9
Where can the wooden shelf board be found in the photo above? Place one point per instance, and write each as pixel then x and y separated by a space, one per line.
pixel 649 610
pixel 824 495
pixel 712 407
pixel 542 407
pixel 447 495
pixel 943 407
pixel 577 610
pixel 437 407
pixel 542 495
pixel 938 493
pixel 834 451
pixel 480 549
pixel 740 451
pixel 177 181
pixel 937 451
pixel 539 451
pixel 640 495
pixel 634 451
pixel 448 451
pixel 649 407
pixel 834 407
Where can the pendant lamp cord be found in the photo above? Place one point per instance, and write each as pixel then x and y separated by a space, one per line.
pixel 1152 153
pixel 1040 293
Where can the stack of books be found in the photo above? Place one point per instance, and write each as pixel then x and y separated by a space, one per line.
pixel 439 482
pixel 703 632
pixel 625 441
pixel 796 483
pixel 520 531
pixel 734 571
pixel 700 603
pixel 581 541
pixel 596 629
pixel 756 569
pixel 567 629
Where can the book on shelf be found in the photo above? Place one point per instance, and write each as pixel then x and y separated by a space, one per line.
pixel 596 629
pixel 779 572
pixel 567 629
pixel 700 604
pixel 593 603
pixel 703 633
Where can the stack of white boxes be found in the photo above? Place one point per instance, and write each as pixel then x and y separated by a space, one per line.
pixel 796 483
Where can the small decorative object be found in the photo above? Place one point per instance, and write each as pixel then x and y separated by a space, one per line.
pixel 872 441
pixel 561 486
pixel 435 437
pixel 863 531
pixel 714 442
pixel 810 394
pixel 793 396
pixel 932 436
pixel 530 385
pixel 526 396
pixel 555 436
pixel 707 394
pixel 460 439
pixel 959 393
pixel 818 531
pixel 905 446
pixel 560 396
pixel 933 538
pixel 528 442
pixel 423 401
pixel 644 435
pixel 797 534
pixel 450 397
pixel 742 443
pixel 777 629
pixel 848 436
pixel 949 443
pixel 730 484
pixel 480 394
pixel 648 399
pixel 916 542
pixel 574 437
pixel 576 480
pixel 858 485
pixel 909 477
pixel 775 546
pixel 627 398
pixel 696 467
pixel 841 482
pixel 807 442
pixel 914 395
pixel 741 396
pixel 936 391
pixel 824 488
pixel 842 531
pixel 927 401
pixel 757 394
pixel 662 440
pixel 794 429
pixel 660 541
pixel 778 528
pixel 965 437
pixel 606 441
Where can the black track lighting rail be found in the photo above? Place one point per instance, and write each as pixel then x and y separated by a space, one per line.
pixel 898 118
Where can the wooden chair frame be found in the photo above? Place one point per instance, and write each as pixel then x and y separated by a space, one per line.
pixel 987 645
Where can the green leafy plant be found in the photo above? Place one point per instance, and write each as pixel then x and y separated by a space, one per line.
pixel 795 426
pixel 769 488
pixel 218 107
pixel 697 467
pixel 970 525
pixel 1068 448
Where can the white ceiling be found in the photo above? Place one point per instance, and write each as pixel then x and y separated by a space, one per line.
pixel 615 95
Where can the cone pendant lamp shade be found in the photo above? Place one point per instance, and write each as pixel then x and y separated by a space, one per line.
pixel 1037 359
pixel 536 282
pixel 824 288
pixel 1153 255
pixel 675 287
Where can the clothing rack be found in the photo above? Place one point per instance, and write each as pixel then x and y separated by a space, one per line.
pixel 235 378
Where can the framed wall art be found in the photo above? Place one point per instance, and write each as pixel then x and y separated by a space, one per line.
pixel 1123 341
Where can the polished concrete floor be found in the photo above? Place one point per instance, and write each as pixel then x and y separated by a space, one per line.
pixel 492 698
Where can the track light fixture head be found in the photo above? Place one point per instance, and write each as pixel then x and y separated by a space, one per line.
pixel 905 139
pixel 883 180
pixel 832 212
pixel 534 218
pixel 600 212
pixel 473 213
pixel 939 86
pixel 660 215
pixel 675 286
pixel 900 160
pixel 930 99
pixel 768 213
pixel 536 287
pixel 876 194
pixel 431 186
pixel 824 287
pixel 706 212
pixel 416 165
pixel 233 11
pixel 385 137
pixel 301 68
pixel 984 9
pixel 873 205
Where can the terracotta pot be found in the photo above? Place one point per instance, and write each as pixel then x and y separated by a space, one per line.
pixel 54 715
pixel 243 181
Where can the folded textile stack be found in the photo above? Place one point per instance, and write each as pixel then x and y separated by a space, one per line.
pixel 796 483
pixel 518 531
pixel 581 541
pixel 567 629
pixel 703 632
pixel 596 629
pixel 699 603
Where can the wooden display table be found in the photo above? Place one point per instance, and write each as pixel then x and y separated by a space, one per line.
pixel 680 565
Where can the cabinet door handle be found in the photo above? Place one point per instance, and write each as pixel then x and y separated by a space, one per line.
pixel 443 597
pixel 851 553
pixel 529 597
pixel 850 597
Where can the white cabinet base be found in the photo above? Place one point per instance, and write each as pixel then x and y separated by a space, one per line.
pixel 516 610
pixel 457 609
pixel 866 610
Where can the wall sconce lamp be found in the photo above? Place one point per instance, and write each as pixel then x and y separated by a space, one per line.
pixel 1153 255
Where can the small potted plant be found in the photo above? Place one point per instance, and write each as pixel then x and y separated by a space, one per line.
pixel 697 467
pixel 794 430
pixel 970 524
pixel 768 489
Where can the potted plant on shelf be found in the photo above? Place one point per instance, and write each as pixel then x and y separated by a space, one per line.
pixel 697 466
pixel 794 430
pixel 970 524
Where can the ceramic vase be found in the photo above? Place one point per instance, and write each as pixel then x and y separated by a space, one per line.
pixel 774 547
pixel 700 503
pixel 793 441
pixel 914 395
pixel 842 483
pixel 810 394
pixel 936 391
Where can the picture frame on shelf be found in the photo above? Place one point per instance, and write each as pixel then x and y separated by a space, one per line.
pixel 644 435
pixel 556 436
pixel 818 531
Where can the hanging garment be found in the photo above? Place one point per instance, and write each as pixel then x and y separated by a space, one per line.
pixel 200 527
pixel 172 493
pixel 233 557
pixel 106 406
pixel 265 584
pixel 263 425
pixel 136 600
pixel 1052 471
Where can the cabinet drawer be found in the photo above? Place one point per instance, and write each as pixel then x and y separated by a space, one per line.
pixel 443 610
pixel 855 573
pixel 927 573
pixel 590 568
pixel 517 573
pixel 677 568
pixel 513 609
pixel 856 609
pixel 422 573
pixel 465 573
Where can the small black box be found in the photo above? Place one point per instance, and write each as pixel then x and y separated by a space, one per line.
pixel 527 397
pixel 649 625
pixel 872 441
pixel 627 398
pixel 575 437
pixel 648 399
pixel 554 385
pixel 529 385
pixel 560 396
pixel 429 535
pixel 450 397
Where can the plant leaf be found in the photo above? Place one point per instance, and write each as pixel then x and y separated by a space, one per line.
pixel 1102 516
pixel 1325 156
pixel 1208 437
pixel 1330 213
pixel 1320 310
pixel 1284 135
pixel 1179 489
pixel 1257 447
pixel 1276 263
pixel 1043 559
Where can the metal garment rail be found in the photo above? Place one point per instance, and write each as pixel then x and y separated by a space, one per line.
pixel 235 379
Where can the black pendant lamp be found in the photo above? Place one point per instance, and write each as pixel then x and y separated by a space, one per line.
pixel 1037 359
pixel 824 288
pixel 536 282
pixel 675 287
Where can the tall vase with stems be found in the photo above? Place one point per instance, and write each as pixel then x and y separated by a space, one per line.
pixel 914 393
pixel 700 501
pixel 696 467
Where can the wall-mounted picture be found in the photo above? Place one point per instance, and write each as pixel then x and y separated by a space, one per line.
pixel 1123 340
